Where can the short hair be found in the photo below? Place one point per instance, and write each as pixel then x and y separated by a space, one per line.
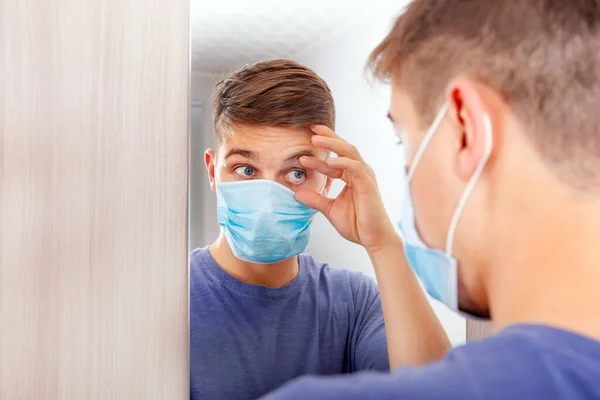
pixel 542 56
pixel 275 93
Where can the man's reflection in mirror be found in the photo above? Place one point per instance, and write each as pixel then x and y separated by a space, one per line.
pixel 262 311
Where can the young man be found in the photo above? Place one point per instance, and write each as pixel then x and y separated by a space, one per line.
pixel 261 313
pixel 497 103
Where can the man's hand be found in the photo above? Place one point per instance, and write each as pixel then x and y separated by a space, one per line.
pixel 357 213
pixel 414 334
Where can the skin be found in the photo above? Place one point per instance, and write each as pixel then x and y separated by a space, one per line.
pixel 253 152
pixel 359 216
pixel 526 243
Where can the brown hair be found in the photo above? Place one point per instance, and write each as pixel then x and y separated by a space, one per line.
pixel 542 56
pixel 272 93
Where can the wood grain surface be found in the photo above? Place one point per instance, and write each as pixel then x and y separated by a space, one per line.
pixel 478 329
pixel 93 199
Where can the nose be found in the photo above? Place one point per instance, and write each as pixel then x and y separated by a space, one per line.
pixel 274 176
pixel 271 175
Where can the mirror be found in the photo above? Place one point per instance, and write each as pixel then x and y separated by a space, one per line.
pixel 259 314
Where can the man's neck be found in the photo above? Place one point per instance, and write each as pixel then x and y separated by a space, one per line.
pixel 273 275
pixel 549 273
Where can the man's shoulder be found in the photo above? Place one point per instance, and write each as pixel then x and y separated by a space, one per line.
pixel 436 380
pixel 200 254
pixel 200 262
pixel 510 364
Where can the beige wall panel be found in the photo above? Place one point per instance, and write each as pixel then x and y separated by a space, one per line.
pixel 478 329
pixel 93 199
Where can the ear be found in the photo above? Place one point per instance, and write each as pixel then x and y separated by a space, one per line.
pixel 469 113
pixel 210 160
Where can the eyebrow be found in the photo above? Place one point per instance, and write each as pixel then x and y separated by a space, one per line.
pixel 390 117
pixel 251 155
pixel 302 153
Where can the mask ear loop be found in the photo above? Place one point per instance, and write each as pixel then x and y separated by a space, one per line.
pixel 426 139
pixel 432 130
pixel 470 185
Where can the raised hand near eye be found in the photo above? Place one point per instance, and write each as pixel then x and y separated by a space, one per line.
pixel 357 213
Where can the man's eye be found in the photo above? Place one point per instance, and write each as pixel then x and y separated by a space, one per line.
pixel 296 176
pixel 245 171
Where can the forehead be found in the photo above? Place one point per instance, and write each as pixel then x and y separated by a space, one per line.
pixel 270 143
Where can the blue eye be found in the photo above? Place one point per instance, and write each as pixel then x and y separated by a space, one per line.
pixel 296 176
pixel 245 171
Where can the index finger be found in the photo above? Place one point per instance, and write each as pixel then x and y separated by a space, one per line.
pixel 324 130
pixel 333 142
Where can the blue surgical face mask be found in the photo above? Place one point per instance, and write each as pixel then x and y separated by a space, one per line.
pixel 437 269
pixel 262 221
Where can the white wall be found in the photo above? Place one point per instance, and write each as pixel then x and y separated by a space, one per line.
pixel 203 217
pixel 361 119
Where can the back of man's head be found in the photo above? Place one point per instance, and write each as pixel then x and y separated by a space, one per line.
pixel 275 93
pixel 542 56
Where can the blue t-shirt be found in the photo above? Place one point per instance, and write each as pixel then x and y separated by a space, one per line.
pixel 521 362
pixel 247 340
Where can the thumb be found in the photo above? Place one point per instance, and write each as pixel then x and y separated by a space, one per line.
pixel 314 200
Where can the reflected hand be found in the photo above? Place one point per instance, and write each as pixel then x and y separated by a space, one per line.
pixel 357 213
